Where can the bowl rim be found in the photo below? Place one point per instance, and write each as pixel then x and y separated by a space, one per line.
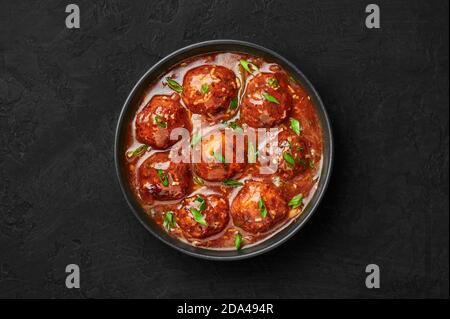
pixel 326 130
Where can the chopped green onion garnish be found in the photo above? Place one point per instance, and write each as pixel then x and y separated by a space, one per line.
pixel 169 221
pixel 195 139
pixel 162 177
pixel 289 159
pixel 233 103
pixel 296 201
pixel 198 180
pixel 270 98
pixel 174 85
pixel 252 153
pixel 138 151
pixel 219 157
pixel 262 208
pixel 199 218
pixel 160 121
pixel 202 203
pixel 295 126
pixel 238 241
pixel 236 126
pixel 273 83
pixel 248 66
pixel 205 88
pixel 232 183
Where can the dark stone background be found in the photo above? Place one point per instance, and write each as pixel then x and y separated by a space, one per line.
pixel 386 92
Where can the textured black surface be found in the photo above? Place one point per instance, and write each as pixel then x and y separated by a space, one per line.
pixel 386 92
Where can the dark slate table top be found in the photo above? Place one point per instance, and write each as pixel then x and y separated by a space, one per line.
pixel 386 91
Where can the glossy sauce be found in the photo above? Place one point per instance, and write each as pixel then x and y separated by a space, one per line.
pixel 304 183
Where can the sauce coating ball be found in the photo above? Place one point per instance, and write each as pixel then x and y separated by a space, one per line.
pixel 158 118
pixel 290 154
pixel 209 89
pixel 214 149
pixel 266 101
pixel 161 179
pixel 201 216
pixel 255 200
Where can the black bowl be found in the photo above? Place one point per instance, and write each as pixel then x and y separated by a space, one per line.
pixel 157 71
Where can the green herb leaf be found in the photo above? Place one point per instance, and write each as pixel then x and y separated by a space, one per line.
pixel 311 164
pixel 232 183
pixel 138 151
pixel 295 126
pixel 252 153
pixel 169 221
pixel 238 241
pixel 198 180
pixel 273 83
pixel 289 159
pixel 248 66
pixel 174 85
pixel 162 177
pixel 160 121
pixel 236 126
pixel 262 208
pixel 199 218
pixel 205 88
pixel 270 98
pixel 219 157
pixel 296 201
pixel 195 139
pixel 202 203
pixel 233 103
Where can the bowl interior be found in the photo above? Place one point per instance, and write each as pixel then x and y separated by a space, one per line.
pixel 132 103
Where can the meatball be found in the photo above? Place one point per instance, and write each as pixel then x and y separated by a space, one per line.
pixel 209 89
pixel 290 154
pixel 158 118
pixel 258 206
pixel 161 179
pixel 201 216
pixel 266 101
pixel 214 149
